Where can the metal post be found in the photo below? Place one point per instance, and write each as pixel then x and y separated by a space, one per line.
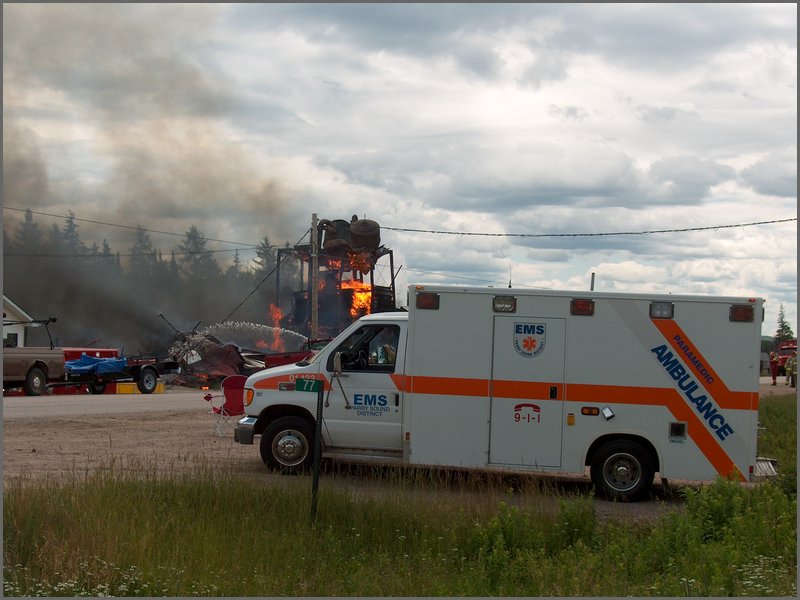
pixel 317 453
pixel 313 277
pixel 592 284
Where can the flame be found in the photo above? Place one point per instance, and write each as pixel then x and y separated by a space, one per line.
pixel 276 315
pixel 362 297
pixel 360 261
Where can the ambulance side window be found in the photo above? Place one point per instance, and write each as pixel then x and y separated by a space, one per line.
pixel 370 348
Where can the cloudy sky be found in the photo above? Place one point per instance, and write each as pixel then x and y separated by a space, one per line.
pixel 526 121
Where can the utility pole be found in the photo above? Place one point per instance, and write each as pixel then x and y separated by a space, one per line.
pixel 313 277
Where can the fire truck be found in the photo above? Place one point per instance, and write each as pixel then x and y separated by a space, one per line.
pixel 785 350
pixel 620 388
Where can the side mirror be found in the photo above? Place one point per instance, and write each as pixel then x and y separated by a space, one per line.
pixel 337 363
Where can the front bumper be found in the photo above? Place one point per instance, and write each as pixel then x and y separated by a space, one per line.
pixel 244 431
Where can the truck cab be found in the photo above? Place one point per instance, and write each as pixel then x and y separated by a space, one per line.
pixel 363 414
pixel 785 350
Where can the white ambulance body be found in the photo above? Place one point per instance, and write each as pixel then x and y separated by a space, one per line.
pixel 629 385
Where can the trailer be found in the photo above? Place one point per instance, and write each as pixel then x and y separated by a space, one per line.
pixel 96 372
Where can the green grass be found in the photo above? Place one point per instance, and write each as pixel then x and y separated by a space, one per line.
pixel 392 533
pixel 778 416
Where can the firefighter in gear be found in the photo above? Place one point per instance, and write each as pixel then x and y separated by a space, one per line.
pixel 774 367
pixel 791 370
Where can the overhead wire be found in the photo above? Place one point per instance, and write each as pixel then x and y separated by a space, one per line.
pixel 433 231
pixel 608 233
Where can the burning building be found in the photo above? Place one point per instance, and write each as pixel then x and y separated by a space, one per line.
pixel 341 277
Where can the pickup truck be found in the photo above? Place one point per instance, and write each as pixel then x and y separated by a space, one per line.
pixel 32 368
pixel 37 369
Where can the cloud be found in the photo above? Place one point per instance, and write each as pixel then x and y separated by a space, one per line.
pixel 243 119
pixel 687 179
pixel 776 175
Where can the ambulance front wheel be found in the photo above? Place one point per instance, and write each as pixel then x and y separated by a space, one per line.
pixel 287 445
pixel 622 470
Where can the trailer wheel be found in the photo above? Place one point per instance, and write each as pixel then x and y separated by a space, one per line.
pixel 35 382
pixel 287 444
pixel 622 470
pixel 148 379
pixel 96 387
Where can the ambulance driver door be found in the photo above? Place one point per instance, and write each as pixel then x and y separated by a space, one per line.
pixel 363 409
pixel 527 391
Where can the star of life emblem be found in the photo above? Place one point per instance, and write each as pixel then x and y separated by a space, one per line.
pixel 529 339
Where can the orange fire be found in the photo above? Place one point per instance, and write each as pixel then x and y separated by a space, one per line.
pixel 276 315
pixel 362 297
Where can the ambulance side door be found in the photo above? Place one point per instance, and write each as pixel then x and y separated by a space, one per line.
pixel 364 407
pixel 527 391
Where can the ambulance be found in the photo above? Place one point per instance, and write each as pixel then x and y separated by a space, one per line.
pixel 618 387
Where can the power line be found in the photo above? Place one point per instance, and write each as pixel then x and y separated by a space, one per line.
pixel 247 246
pixel 610 233
pixel 148 230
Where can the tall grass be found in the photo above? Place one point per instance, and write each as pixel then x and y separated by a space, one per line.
pixel 778 416
pixel 149 532
pixel 206 535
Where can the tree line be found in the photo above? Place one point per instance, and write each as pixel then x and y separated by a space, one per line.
pixel 108 298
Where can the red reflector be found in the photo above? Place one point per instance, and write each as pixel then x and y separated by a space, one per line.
pixel 741 312
pixel 581 307
pixel 428 300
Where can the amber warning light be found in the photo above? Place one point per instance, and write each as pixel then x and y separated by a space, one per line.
pixel 428 300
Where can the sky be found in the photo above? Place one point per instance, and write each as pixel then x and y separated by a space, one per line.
pixel 533 126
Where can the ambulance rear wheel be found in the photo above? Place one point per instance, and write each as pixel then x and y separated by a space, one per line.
pixel 287 445
pixel 622 470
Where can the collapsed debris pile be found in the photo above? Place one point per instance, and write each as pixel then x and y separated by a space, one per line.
pixel 203 355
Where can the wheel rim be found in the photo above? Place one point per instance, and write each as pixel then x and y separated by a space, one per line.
pixel 290 447
pixel 622 471
pixel 37 383
pixel 149 380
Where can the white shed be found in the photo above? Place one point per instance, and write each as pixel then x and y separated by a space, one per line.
pixel 15 323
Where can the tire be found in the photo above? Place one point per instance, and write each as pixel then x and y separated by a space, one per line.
pixel 35 382
pixel 147 382
pixel 96 387
pixel 287 445
pixel 622 470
